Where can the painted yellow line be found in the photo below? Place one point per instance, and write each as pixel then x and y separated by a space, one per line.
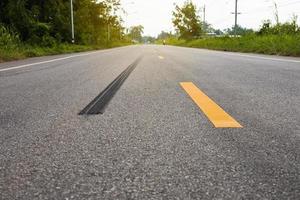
pixel 215 113
pixel 161 57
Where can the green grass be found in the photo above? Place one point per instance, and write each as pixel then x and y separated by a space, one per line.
pixel 21 51
pixel 286 45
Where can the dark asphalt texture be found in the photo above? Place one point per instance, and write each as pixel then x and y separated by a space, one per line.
pixel 152 142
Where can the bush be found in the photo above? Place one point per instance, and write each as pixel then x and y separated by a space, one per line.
pixel 286 44
pixel 8 38
pixel 288 28
pixel 40 36
pixel 48 41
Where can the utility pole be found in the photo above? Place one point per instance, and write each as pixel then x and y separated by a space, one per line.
pixel 204 16
pixel 236 13
pixel 276 13
pixel 235 20
pixel 72 23
pixel 108 32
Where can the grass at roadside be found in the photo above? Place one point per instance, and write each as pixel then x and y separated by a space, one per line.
pixel 21 51
pixel 286 45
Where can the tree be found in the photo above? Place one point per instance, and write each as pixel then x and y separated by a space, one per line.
pixel 287 28
pixel 164 35
pixel 208 28
pixel 148 39
pixel 218 32
pixel 239 30
pixel 48 22
pixel 186 21
pixel 136 33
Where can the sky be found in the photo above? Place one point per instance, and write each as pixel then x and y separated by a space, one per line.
pixel 156 15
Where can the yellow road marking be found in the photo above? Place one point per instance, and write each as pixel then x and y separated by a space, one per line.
pixel 215 113
pixel 161 57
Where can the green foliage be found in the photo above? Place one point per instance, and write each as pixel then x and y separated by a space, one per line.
pixel 278 39
pixel 26 50
pixel 8 38
pixel 9 42
pixel 45 22
pixel 148 39
pixel 186 21
pixel 289 28
pixel 172 41
pixel 239 30
pixel 164 35
pixel 267 44
pixel 136 33
pixel 218 32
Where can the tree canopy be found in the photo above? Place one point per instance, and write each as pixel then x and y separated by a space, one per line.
pixel 44 22
pixel 187 21
pixel 136 33
pixel 239 30
pixel 164 35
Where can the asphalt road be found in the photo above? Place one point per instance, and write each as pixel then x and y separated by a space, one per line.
pixel 153 141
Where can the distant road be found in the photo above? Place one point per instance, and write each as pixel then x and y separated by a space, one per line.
pixel 150 122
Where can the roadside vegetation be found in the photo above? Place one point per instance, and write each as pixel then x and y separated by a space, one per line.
pixel 274 39
pixel 286 45
pixel 31 28
pixel 12 48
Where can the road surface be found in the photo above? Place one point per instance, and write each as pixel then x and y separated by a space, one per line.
pixel 158 134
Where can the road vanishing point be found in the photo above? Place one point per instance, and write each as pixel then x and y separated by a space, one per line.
pixel 150 122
